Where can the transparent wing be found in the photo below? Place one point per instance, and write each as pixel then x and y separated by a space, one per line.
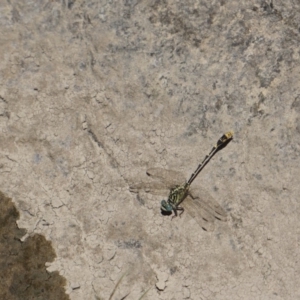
pixel 169 177
pixel 163 181
pixel 202 216
pixel 203 200
pixel 154 188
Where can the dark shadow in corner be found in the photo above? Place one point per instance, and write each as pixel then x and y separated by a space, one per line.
pixel 23 273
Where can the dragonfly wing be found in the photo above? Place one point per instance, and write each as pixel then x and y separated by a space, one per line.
pixel 203 218
pixel 154 188
pixel 202 199
pixel 169 177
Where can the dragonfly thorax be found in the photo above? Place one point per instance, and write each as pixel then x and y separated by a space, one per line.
pixel 178 194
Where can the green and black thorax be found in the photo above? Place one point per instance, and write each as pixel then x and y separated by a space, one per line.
pixel 177 194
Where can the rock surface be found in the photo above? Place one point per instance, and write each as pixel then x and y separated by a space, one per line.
pixel 93 93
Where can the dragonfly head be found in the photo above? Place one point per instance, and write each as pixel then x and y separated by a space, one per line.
pixel 165 206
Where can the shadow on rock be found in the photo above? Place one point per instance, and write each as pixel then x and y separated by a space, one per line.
pixel 23 273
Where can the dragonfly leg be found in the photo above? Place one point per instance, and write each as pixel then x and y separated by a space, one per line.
pixel 181 210
pixel 175 211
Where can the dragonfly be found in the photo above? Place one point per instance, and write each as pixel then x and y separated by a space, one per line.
pixel 199 204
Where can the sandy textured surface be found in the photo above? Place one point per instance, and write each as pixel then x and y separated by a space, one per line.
pixel 93 93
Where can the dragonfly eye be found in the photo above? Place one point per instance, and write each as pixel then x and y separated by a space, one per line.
pixel 165 206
